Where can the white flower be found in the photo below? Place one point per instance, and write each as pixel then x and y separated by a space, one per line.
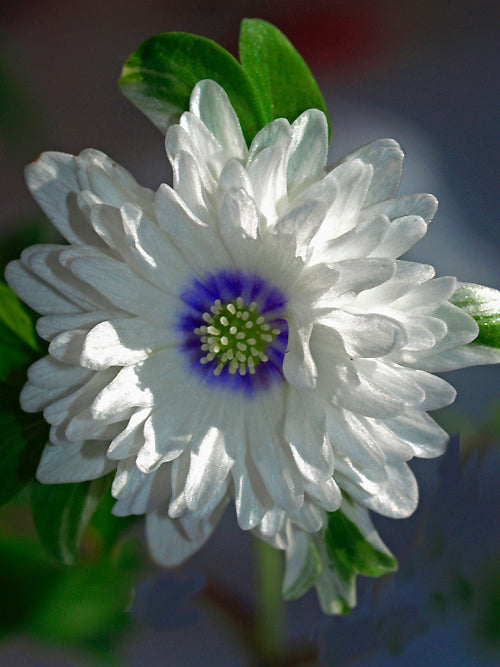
pixel 246 335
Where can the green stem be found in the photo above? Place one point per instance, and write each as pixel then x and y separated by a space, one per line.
pixel 271 619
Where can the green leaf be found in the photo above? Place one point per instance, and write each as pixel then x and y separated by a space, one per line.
pixel 483 304
pixel 20 450
pixel 283 80
pixel 351 553
pixel 161 74
pixel 61 513
pixel 14 317
pixel 23 439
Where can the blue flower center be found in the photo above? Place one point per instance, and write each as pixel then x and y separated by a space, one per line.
pixel 233 330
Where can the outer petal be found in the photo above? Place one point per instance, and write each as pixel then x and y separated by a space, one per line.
pixel 74 462
pixel 173 540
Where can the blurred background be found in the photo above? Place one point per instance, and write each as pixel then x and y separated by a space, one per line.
pixel 424 73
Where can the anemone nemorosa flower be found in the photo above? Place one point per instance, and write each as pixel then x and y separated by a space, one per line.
pixel 248 335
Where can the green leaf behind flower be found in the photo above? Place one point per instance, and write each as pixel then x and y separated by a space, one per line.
pixel 18 343
pixel 283 80
pixel 61 513
pixel 350 552
pixel 23 439
pixel 160 75
pixel 483 304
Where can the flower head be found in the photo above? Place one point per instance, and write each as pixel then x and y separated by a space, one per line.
pixel 247 335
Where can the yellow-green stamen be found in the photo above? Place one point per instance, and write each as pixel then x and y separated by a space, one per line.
pixel 236 335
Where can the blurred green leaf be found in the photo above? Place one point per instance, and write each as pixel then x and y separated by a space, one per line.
pixel 160 75
pixel 87 603
pixel 61 513
pixel 351 553
pixel 483 304
pixel 281 77
pixel 26 576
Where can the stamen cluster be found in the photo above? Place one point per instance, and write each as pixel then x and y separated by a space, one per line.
pixel 236 335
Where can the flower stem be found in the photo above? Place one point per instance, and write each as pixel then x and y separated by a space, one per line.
pixel 271 619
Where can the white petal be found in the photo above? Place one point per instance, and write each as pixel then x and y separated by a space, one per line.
pixel 109 181
pixel 128 442
pixel 423 205
pixel 358 242
pixel 357 394
pixel 127 390
pixel 308 148
pixel 438 393
pixel 122 342
pixel 305 431
pixel 203 143
pixel 73 462
pixel 154 490
pixel 189 186
pixel 34 398
pixel 352 181
pixel 386 157
pixel 233 177
pixel 402 234
pixel 268 179
pixel 357 276
pixel 179 140
pixel 48 373
pixel 238 218
pixel 39 295
pixel 405 277
pixel 416 427
pixel 169 539
pixel 397 499
pixel 395 380
pixel 53 183
pixel 252 501
pixel 302 564
pixel 276 133
pixel 299 367
pixel 302 222
pixel 180 469
pixel 116 281
pixel 425 298
pixel 366 335
pixel 211 104
pixel 69 405
pixel 197 242
pixel 267 449
pixel 53 325
pixel 327 494
pixel 460 357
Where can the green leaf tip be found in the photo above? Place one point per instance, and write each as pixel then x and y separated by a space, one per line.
pixel 281 77
pixel 351 553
